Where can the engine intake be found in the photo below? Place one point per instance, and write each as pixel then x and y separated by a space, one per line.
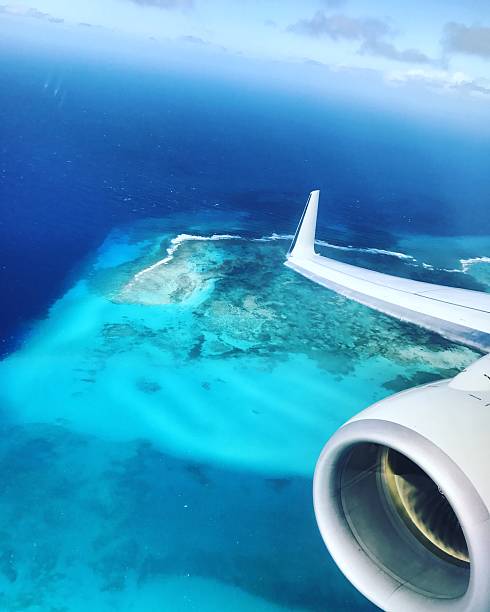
pixel 401 497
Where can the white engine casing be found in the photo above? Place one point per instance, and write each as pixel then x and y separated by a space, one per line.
pixel 444 428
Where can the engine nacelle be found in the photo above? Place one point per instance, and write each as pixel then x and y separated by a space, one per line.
pixel 402 496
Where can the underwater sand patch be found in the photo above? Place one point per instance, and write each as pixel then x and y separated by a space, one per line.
pixel 455 358
pixel 170 284
pixel 289 356
pixel 177 277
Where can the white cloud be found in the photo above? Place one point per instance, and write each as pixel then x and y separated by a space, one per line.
pixel 388 50
pixel 166 4
pixel 441 80
pixel 369 32
pixel 340 27
pixel 20 10
pixel 471 40
pixel 333 3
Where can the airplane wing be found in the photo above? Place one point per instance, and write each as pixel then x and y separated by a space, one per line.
pixel 458 314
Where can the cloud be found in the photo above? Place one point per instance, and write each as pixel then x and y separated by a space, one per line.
pixel 431 79
pixel 442 80
pixel 386 49
pixel 32 12
pixel 166 4
pixel 200 42
pixel 471 40
pixel 339 27
pixel 311 62
pixel 370 33
pixel 194 40
pixel 25 11
pixel 22 11
pixel 333 3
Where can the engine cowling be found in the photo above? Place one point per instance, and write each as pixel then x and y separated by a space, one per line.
pixel 402 496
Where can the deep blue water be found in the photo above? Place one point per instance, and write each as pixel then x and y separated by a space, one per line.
pixel 159 426
pixel 87 147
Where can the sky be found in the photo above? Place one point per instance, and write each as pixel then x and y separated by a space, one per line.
pixel 442 46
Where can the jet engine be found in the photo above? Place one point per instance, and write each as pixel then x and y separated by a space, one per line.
pixel 402 496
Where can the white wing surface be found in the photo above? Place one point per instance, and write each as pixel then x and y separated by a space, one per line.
pixel 458 314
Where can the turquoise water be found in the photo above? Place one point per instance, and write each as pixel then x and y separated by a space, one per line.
pixel 163 399
pixel 161 426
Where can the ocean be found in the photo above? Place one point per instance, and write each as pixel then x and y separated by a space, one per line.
pixel 166 384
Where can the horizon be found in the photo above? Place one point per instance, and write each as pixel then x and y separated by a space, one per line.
pixel 329 49
pixel 169 370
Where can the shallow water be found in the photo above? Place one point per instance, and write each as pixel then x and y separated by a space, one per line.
pixel 163 400
pixel 162 423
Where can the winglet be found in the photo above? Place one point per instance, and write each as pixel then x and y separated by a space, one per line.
pixel 303 244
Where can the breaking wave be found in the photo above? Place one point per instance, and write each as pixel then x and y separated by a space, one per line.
pixel 467 263
pixel 339 247
pixel 180 239
pixel 176 242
